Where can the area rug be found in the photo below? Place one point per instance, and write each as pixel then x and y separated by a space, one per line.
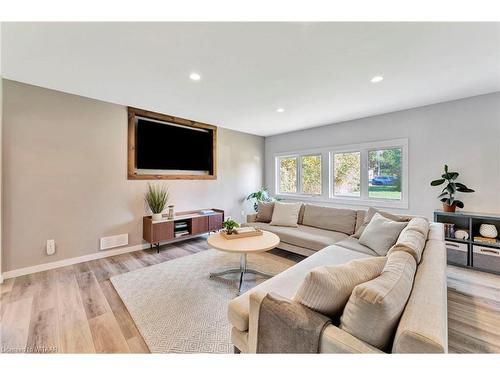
pixel 179 309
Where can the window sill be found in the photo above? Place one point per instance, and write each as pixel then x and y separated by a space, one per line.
pixel 383 203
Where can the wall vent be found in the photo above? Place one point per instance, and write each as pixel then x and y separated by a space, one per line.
pixel 114 241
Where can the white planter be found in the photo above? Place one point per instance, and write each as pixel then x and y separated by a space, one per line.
pixel 157 217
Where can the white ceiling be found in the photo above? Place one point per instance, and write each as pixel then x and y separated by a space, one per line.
pixel 318 72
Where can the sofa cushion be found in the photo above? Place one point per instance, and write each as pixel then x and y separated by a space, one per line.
pixel 287 282
pixel 265 212
pixel 326 289
pixel 369 215
pixel 374 308
pixel 360 220
pixel 381 233
pixel 286 214
pixel 304 236
pixel 412 238
pixel 352 243
pixel 335 219
pixel 301 213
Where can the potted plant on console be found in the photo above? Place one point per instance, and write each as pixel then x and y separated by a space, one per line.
pixel 156 197
pixel 229 225
pixel 447 195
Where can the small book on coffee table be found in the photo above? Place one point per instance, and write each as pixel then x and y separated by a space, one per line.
pixel 242 233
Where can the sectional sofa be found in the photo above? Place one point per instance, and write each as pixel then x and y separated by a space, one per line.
pixel 422 327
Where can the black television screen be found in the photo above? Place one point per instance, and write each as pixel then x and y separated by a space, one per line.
pixel 164 146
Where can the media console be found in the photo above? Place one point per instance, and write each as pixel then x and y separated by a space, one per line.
pixel 184 225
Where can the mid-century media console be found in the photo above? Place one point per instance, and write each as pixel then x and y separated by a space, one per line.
pixel 184 225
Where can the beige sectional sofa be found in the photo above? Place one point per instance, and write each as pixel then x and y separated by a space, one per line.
pixel 422 327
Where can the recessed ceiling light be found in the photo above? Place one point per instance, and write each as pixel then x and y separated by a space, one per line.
pixel 280 110
pixel 377 79
pixel 195 76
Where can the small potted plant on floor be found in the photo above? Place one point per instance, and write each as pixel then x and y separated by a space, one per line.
pixel 447 195
pixel 229 225
pixel 260 196
pixel 156 197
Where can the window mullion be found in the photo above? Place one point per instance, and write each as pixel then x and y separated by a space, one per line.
pixel 299 174
pixel 364 174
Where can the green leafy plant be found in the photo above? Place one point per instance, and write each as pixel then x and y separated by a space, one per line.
pixel 156 197
pixel 260 196
pixel 229 225
pixel 447 195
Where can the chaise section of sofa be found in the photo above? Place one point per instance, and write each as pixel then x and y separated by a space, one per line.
pixel 422 327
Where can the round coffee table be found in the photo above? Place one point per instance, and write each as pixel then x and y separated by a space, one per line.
pixel 243 246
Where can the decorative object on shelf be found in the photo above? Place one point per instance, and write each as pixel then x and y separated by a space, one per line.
pixel 488 230
pixel 447 195
pixel 260 196
pixel 229 225
pixel 449 230
pixel 170 214
pixel 462 234
pixel 156 197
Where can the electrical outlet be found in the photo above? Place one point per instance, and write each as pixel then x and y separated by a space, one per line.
pixel 51 247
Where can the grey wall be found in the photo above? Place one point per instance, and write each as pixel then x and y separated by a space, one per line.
pixel 65 176
pixel 465 134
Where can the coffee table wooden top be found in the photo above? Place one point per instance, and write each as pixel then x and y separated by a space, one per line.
pixel 256 244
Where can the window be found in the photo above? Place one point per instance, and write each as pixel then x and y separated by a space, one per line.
pixel 363 174
pixel 384 174
pixel 309 170
pixel 311 174
pixel 347 174
pixel 288 175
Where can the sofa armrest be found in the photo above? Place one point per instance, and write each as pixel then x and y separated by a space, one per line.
pixel 333 339
pixel 251 218
pixel 253 319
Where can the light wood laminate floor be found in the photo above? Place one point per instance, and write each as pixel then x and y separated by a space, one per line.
pixel 75 309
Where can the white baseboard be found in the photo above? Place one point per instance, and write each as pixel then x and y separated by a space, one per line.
pixel 70 261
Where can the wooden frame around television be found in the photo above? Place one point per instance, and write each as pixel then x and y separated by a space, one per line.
pixel 131 164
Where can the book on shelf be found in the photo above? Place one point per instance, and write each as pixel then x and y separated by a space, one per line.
pixel 486 240
pixel 449 230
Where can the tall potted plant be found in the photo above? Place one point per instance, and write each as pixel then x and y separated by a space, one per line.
pixel 447 195
pixel 156 197
pixel 260 196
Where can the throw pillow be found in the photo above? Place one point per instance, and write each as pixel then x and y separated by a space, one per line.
pixel 326 289
pixel 381 233
pixel 412 238
pixel 265 212
pixel 375 307
pixel 286 214
pixel 369 216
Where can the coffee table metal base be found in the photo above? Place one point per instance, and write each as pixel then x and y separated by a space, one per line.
pixel 242 271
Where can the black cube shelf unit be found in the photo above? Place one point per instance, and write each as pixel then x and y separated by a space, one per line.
pixel 483 256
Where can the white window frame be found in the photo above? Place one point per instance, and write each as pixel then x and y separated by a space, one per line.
pixel 298 172
pixel 327 178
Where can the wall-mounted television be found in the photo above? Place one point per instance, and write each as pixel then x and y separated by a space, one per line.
pixel 166 147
